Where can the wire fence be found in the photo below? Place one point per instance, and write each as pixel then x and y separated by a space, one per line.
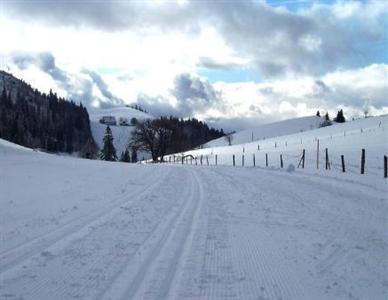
pixel 373 165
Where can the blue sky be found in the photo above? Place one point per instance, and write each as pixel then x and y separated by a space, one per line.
pixel 229 76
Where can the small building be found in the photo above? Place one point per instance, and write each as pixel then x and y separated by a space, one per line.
pixel 108 120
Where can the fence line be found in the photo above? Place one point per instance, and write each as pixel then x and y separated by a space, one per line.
pixel 343 167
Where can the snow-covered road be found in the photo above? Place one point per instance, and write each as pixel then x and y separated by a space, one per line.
pixel 186 232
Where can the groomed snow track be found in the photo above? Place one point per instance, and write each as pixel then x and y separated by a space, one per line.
pixel 211 233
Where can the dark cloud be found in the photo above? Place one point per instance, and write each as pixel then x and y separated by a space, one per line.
pixel 46 62
pixel 320 87
pixel 110 99
pixel 209 63
pixel 192 95
pixel 108 15
pixel 78 88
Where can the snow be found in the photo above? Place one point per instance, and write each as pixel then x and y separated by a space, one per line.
pixel 269 130
pixel 121 134
pixel 345 139
pixel 82 229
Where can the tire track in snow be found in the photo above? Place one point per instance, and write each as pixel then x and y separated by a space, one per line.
pixel 17 255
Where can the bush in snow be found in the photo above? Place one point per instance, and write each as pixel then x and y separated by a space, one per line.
pixel 290 168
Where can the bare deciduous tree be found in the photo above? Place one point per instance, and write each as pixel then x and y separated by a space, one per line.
pixel 152 136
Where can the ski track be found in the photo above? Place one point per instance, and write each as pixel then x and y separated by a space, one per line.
pixel 66 231
pixel 206 233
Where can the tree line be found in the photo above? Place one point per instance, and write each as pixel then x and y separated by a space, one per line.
pixel 340 118
pixel 160 137
pixel 44 121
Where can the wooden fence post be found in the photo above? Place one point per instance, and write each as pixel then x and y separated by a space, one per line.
pixel 362 161
pixel 234 161
pixel 196 163
pixel 302 159
pixel 207 160
pixel 317 154
pixel 216 159
pixel 266 160
pixel 385 166
pixel 254 160
pixel 327 165
pixel 281 161
pixel 343 163
pixel 242 160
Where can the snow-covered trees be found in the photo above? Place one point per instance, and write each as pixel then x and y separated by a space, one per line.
pixel 108 151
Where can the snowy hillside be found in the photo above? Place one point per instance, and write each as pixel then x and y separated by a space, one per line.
pixel 269 130
pixel 83 229
pixel 121 134
pixel 345 139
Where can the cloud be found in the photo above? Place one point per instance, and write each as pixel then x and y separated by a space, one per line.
pixel 107 15
pixel 110 99
pixel 210 63
pixel 46 62
pixel 315 40
pixel 322 55
pixel 229 105
pixel 80 87
pixel 190 96
pixel 244 104
pixel 157 106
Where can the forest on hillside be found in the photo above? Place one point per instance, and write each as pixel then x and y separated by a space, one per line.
pixel 45 121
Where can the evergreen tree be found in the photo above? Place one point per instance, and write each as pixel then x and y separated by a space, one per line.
pixel 326 121
pixel 108 151
pixel 134 155
pixel 340 117
pixel 125 156
pixel 318 113
pixel 37 120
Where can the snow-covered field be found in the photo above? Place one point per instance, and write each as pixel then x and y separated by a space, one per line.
pixel 81 229
pixel 345 139
pixel 268 131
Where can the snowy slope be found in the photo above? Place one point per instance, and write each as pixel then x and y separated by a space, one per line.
pixel 269 130
pixel 121 134
pixel 345 139
pixel 82 229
